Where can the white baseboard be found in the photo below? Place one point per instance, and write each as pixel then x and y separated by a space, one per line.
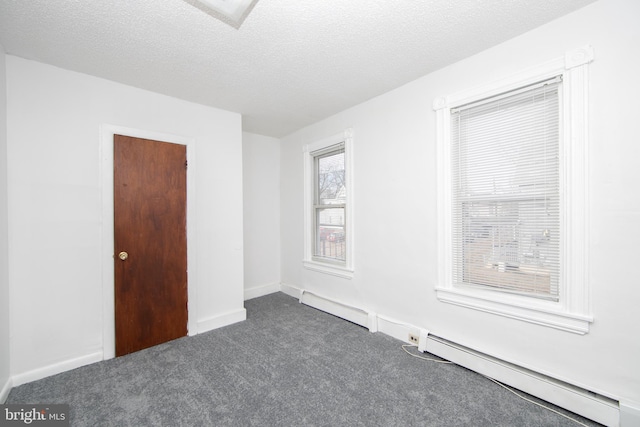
pixel 396 328
pixel 67 365
pixel 6 389
pixel 292 291
pixel 222 320
pixel 56 368
pixel 260 291
pixel 578 400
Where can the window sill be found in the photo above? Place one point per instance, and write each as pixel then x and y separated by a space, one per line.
pixel 538 312
pixel 334 270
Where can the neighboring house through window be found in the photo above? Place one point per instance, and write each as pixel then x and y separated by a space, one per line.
pixel 513 188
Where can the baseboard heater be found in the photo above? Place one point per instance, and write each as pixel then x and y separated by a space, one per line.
pixel 590 405
pixel 575 399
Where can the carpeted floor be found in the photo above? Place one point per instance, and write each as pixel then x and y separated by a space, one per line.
pixel 286 365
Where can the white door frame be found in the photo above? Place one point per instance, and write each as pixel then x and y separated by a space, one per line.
pixel 107 132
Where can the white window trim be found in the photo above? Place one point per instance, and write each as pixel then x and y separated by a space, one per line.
pixel 344 270
pixel 572 311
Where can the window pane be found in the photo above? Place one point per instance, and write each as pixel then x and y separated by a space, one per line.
pixel 330 236
pixel 509 245
pixel 331 179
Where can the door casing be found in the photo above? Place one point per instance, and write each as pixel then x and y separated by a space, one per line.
pixel 107 132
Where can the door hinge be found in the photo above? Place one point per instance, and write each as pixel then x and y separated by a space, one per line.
pixel 186 164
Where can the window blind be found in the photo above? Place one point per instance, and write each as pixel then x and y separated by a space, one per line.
pixel 506 191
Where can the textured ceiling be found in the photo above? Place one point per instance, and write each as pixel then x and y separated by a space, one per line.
pixel 290 63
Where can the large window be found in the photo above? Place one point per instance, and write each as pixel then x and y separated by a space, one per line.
pixel 505 175
pixel 513 192
pixel 328 205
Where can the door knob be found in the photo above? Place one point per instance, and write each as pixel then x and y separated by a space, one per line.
pixel 123 255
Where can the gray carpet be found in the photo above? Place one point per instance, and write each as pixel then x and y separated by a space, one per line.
pixel 286 365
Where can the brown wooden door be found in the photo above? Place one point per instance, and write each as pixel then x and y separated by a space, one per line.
pixel 150 227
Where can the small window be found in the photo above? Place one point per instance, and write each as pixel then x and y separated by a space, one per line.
pixel 328 205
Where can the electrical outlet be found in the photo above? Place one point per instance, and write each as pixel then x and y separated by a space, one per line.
pixel 414 339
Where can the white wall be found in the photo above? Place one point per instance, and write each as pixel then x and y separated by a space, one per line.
pixel 261 192
pixel 4 235
pixel 54 118
pixel 395 216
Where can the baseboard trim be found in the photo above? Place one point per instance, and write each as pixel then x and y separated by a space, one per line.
pixel 573 398
pixel 222 320
pixel 260 291
pixel 6 389
pixel 67 365
pixel 56 368
pixel 396 329
pixel 292 291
